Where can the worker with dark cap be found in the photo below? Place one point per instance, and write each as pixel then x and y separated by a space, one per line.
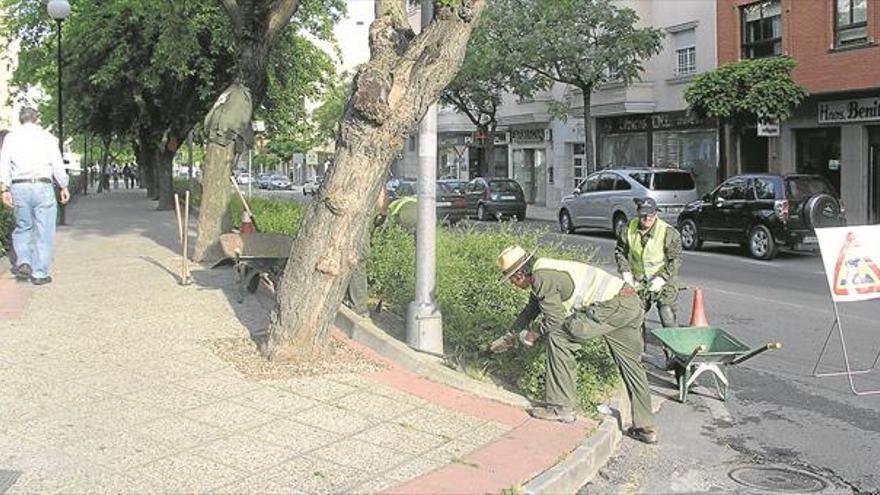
pixel 648 255
pixel 578 302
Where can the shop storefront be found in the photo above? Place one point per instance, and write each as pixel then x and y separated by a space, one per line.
pixel 529 162
pixel 837 136
pixel 670 139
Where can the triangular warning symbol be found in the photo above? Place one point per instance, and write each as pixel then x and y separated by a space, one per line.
pixel 855 272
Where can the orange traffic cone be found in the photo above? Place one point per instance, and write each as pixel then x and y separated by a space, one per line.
pixel 698 313
pixel 247 226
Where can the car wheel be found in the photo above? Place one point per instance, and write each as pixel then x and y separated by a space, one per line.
pixel 565 225
pixel 481 213
pixel 620 223
pixel 761 244
pixel 690 237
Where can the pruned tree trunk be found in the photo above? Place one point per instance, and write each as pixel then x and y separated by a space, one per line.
pixel 392 92
pixel 589 152
pixel 213 211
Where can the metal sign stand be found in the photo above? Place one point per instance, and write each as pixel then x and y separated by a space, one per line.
pixel 849 371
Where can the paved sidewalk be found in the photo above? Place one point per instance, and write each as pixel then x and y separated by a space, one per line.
pixel 542 213
pixel 115 380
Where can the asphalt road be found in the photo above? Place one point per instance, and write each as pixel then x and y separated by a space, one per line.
pixel 781 428
pixel 780 425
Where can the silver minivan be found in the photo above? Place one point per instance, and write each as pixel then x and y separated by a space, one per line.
pixel 604 200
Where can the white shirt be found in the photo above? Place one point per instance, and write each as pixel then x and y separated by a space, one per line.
pixel 30 152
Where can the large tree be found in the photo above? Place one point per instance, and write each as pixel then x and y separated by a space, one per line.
pixel 584 43
pixel 257 27
pixel 144 70
pixel 405 75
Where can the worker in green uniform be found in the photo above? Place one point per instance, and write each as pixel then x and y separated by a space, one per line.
pixel 356 293
pixel 405 212
pixel 648 255
pixel 578 302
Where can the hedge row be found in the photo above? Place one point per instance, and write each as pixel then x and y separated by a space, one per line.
pixel 476 307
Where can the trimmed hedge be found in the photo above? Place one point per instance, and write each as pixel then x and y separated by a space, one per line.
pixel 476 307
pixel 7 225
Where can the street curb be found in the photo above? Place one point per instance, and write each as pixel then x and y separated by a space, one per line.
pixel 362 330
pixel 568 475
pixel 583 463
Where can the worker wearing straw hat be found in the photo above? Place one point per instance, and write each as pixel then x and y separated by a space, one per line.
pixel 578 302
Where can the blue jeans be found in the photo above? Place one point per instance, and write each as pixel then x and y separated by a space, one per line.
pixel 34 234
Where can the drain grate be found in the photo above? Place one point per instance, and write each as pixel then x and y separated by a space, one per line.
pixel 7 479
pixel 781 479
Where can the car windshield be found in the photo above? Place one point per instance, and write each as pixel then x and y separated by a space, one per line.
pixel 504 186
pixel 804 187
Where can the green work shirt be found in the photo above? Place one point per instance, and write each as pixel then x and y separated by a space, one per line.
pixel 671 250
pixel 549 288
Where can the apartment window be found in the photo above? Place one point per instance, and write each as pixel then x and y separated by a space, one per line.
pixel 685 52
pixel 580 169
pixel 851 22
pixel 762 29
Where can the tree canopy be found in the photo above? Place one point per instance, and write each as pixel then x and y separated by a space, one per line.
pixel 745 91
pixel 584 43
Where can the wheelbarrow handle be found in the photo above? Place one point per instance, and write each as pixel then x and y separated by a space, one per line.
pixel 755 352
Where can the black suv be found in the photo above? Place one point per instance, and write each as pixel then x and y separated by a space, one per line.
pixel 763 212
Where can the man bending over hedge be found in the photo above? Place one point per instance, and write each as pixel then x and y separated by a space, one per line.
pixel 578 302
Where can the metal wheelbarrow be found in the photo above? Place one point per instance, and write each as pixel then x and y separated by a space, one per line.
pixel 695 350
pixel 254 255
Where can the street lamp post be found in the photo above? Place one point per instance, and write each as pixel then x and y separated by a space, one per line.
pixel 59 10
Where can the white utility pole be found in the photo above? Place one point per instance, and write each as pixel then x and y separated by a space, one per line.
pixel 424 323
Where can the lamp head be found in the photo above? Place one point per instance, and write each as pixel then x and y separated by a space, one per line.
pixel 58 9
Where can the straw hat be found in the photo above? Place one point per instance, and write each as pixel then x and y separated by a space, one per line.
pixel 512 259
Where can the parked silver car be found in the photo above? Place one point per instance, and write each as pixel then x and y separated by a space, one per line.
pixel 604 199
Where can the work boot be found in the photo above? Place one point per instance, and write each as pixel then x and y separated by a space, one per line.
pixel 644 435
pixel 41 280
pixel 22 272
pixel 553 413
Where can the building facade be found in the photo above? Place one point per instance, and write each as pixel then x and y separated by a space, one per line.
pixel 836 131
pixel 643 124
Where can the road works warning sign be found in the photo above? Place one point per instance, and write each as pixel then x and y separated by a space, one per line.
pixel 851 256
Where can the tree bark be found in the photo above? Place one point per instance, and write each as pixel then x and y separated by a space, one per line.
pixel 164 166
pixel 213 211
pixel 392 92
pixel 589 153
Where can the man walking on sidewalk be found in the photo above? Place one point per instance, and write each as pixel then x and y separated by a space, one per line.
pixel 578 302
pixel 648 255
pixel 30 159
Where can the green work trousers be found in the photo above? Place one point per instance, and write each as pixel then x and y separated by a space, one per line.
pixel 356 294
pixel 619 322
pixel 666 302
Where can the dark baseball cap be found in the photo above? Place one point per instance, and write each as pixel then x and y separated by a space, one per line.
pixel 645 206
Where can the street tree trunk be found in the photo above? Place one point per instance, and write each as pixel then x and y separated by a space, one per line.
pixel 256 26
pixel 488 150
pixel 213 211
pixel 589 152
pixel 164 167
pixel 404 76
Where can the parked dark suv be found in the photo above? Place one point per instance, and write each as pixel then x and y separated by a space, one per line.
pixel 763 212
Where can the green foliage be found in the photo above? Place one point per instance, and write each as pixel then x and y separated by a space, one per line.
pixel 476 308
pixel 278 217
pixel 742 92
pixel 328 114
pixel 579 42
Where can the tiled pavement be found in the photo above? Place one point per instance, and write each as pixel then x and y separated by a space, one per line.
pixel 109 385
